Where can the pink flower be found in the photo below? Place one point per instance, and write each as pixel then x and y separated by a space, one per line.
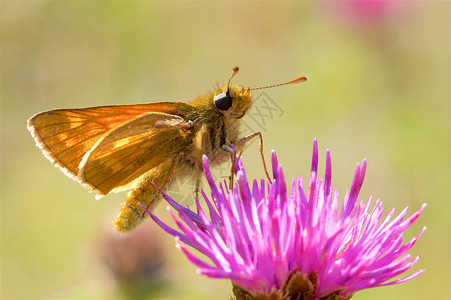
pixel 271 241
pixel 367 12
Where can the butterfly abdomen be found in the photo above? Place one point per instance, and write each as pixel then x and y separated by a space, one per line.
pixel 145 193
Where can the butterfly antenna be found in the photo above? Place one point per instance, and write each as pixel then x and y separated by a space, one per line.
pixel 234 71
pixel 296 80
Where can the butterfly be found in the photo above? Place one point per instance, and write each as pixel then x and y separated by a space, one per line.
pixel 135 147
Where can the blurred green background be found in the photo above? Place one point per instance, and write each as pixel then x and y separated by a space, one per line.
pixel 378 87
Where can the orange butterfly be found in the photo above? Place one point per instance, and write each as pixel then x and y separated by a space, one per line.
pixel 117 148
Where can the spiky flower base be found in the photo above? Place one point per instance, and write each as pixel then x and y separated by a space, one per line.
pixel 298 286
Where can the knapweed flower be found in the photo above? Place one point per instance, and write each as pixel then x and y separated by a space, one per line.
pixel 367 12
pixel 278 244
pixel 136 259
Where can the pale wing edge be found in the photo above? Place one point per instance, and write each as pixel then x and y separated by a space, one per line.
pixel 52 157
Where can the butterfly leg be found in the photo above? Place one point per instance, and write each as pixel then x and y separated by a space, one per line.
pixel 232 151
pixel 245 141
pixel 202 143
pixel 196 190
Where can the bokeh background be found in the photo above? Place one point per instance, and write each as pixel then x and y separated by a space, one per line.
pixel 378 87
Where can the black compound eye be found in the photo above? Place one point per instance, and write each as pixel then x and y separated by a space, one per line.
pixel 223 101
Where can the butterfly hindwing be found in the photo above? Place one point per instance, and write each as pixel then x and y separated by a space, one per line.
pixel 132 149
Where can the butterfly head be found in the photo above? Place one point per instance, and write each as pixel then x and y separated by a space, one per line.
pixel 233 101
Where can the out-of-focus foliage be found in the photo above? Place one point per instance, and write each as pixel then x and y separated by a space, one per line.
pixel 378 87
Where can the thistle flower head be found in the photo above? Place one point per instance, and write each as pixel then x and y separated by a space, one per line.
pixel 271 241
